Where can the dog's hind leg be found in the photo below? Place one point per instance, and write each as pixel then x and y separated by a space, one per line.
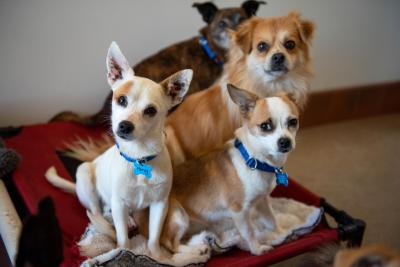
pixel 175 227
pixel 86 187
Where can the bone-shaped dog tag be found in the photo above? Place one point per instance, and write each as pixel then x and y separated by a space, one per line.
pixel 282 178
pixel 142 169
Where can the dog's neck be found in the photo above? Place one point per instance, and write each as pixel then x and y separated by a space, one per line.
pixel 151 144
pixel 257 150
pixel 222 53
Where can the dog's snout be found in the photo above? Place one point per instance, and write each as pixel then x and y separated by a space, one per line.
pixel 284 144
pixel 278 58
pixel 125 128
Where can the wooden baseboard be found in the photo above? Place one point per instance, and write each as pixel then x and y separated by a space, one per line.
pixel 351 103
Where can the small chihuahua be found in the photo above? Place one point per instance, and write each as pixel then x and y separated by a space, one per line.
pixel 231 182
pixel 136 173
pixel 235 182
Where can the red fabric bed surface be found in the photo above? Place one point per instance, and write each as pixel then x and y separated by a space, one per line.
pixel 37 145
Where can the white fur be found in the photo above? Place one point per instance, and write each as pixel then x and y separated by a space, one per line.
pixel 56 180
pixel 110 178
pixel 258 184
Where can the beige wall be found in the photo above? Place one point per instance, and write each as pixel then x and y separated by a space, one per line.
pixel 52 52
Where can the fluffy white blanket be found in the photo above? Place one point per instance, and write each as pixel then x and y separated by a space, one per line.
pixel 293 220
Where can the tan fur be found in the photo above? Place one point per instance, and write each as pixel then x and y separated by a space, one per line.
pixel 200 124
pixel 219 186
pixel 261 112
pixel 204 121
pixel 123 89
pixel 215 177
pixel 383 254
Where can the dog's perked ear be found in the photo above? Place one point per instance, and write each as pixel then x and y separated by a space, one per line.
pixel 177 85
pixel 251 7
pixel 244 34
pixel 118 68
pixel 306 27
pixel 243 98
pixel 207 10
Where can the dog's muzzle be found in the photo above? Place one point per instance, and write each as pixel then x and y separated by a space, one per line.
pixel 125 129
pixel 284 145
pixel 278 63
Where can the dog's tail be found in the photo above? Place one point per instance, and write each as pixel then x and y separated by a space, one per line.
pixel 75 117
pixel 56 180
pixel 88 149
pixel 101 225
pixel 100 118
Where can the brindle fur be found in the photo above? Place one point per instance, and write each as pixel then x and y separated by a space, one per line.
pixel 187 54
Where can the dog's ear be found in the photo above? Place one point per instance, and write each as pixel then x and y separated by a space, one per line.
pixel 251 7
pixel 243 98
pixel 118 68
pixel 207 10
pixel 177 85
pixel 306 28
pixel 290 100
pixel 243 36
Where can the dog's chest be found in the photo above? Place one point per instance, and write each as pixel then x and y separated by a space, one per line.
pixel 256 183
pixel 138 192
pixel 116 179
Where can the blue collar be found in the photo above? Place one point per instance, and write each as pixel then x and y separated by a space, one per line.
pixel 140 166
pixel 210 53
pixel 253 164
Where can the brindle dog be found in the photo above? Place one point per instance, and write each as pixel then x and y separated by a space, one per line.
pixel 189 54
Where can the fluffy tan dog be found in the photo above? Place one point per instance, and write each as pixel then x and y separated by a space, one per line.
pixel 267 56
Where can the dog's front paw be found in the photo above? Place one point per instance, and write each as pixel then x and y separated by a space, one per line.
pixel 258 249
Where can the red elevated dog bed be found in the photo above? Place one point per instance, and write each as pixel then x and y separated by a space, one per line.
pixel 38 145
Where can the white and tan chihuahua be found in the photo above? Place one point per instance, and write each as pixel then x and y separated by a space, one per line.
pixel 136 173
pixel 233 183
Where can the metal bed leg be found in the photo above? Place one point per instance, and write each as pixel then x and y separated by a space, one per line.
pixel 349 229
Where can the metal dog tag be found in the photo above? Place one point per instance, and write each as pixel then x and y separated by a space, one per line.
pixel 282 178
pixel 142 169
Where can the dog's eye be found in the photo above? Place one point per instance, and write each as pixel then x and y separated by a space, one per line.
pixel 122 101
pixel 222 24
pixel 290 44
pixel 150 111
pixel 266 126
pixel 293 122
pixel 262 46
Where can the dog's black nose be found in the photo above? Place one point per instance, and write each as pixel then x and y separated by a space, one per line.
pixel 278 58
pixel 284 144
pixel 125 128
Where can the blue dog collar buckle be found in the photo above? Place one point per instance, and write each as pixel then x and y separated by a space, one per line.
pixel 252 163
pixel 281 177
